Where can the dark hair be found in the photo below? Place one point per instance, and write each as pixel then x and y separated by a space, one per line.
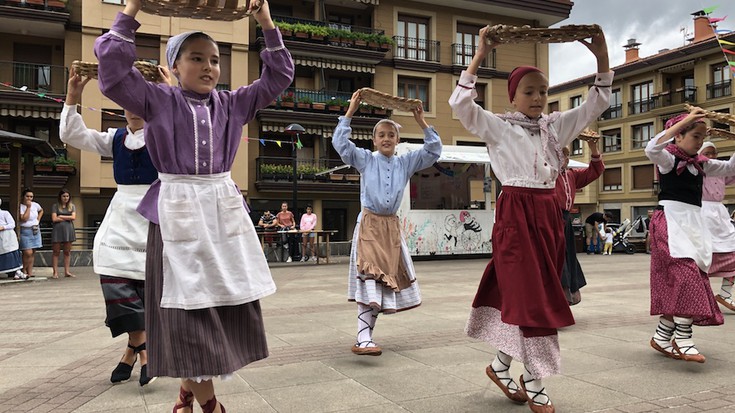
pixel 62 192
pixel 608 215
pixel 195 36
pixel 25 191
pixel 309 206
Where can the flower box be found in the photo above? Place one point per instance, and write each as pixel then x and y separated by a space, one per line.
pixel 334 108
pixel 65 169
pixel 336 177
pixel 318 106
pixel 43 168
pixel 301 105
pixel 287 104
pixel 352 177
pixel 301 35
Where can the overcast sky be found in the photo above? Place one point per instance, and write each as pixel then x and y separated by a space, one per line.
pixel 655 24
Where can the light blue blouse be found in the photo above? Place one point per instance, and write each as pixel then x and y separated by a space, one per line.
pixel 383 179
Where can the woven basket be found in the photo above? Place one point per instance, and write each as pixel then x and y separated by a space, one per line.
pixel 147 69
pixel 223 10
pixel 501 33
pixel 720 133
pixel 386 101
pixel 589 135
pixel 716 116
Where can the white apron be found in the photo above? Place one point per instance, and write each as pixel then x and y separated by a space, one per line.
pixel 8 241
pixel 718 223
pixel 120 243
pixel 688 236
pixel 211 253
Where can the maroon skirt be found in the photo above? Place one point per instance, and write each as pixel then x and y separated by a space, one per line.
pixel 523 279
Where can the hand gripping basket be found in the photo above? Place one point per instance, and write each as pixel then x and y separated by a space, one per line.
pixel 718 117
pixel 501 33
pixel 386 101
pixel 589 135
pixel 223 10
pixel 147 69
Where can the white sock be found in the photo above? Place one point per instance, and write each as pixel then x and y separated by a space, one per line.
pixel 501 368
pixel 726 289
pixel 683 335
pixel 664 333
pixel 366 317
pixel 535 390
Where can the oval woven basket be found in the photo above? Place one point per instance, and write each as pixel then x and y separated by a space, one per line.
pixel 147 69
pixel 589 135
pixel 386 101
pixel 718 117
pixel 223 10
pixel 720 133
pixel 501 33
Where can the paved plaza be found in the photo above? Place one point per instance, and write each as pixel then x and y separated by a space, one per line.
pixel 56 355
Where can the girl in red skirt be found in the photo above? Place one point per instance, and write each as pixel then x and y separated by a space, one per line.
pixel 681 245
pixel 520 303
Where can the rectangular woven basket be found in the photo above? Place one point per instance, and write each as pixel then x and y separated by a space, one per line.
pixel 386 101
pixel 147 69
pixel 223 10
pixel 501 33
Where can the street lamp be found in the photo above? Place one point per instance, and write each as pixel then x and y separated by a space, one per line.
pixel 294 130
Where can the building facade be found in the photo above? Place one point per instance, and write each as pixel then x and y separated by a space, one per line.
pixel 406 48
pixel 646 92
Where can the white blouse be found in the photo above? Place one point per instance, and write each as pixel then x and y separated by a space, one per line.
pixel 74 132
pixel 516 153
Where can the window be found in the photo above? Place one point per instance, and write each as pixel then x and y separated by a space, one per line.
pixel 642 134
pixel 720 85
pixel 481 89
pixel 576 147
pixel 611 141
pixel 616 106
pixel 643 177
pixel 120 2
pixel 341 84
pixel 641 98
pixel 612 179
pixel 466 40
pixel 412 38
pixel 414 88
pixel 575 101
pixel 32 66
pixel 112 118
pixel 431 187
pixel 225 67
pixel 718 125
pixel 553 107
pixel 148 48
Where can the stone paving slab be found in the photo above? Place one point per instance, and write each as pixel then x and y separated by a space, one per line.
pixel 56 355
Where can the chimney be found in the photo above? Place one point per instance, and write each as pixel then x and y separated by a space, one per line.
pixel 702 29
pixel 631 51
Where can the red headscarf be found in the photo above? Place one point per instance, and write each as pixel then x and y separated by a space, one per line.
pixel 515 76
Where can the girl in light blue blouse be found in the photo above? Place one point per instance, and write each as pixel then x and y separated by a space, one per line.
pixel 381 276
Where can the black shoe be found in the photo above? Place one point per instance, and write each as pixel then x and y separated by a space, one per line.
pixel 144 379
pixel 122 371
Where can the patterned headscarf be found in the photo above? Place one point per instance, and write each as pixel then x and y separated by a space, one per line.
pixel 174 45
pixel 678 118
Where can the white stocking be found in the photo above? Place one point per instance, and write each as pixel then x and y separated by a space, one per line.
pixel 366 317
pixel 683 335
pixel 535 390
pixel 664 333
pixel 726 289
pixel 501 368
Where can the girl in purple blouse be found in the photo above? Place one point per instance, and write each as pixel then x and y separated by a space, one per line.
pixel 204 265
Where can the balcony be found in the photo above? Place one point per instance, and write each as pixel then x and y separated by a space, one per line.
pixel 462 55
pixel 613 112
pixel 416 54
pixel 679 96
pixel 40 78
pixel 49 17
pixel 276 174
pixel 719 89
pixel 641 106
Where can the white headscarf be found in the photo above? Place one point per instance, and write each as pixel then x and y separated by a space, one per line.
pixel 706 145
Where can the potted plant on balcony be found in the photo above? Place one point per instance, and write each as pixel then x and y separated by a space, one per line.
pixel 267 171
pixel 334 105
pixel 360 39
pixel 285 28
pixel 4 164
pixel 43 164
pixel 304 102
pixel 65 166
pixel 373 41
pixel 283 172
pixel 287 99
pixel 366 109
pixel 385 42
pixel 301 30
pixel 318 34
pixel 307 172
pixel 379 111
pixel 318 106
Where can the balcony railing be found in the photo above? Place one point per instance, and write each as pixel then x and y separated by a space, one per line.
pixel 50 5
pixel 281 169
pixel 718 90
pixel 463 54
pixel 416 49
pixel 345 27
pixel 641 106
pixel 613 112
pixel 682 95
pixel 36 77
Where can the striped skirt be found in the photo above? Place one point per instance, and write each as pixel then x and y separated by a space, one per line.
pixel 197 343
pixel 124 304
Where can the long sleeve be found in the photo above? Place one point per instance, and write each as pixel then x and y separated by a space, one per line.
pixel 74 132
pixel 573 121
pixel 428 155
pixel 715 167
pixel 277 75
pixel 350 154
pixel 583 177
pixel 473 117
pixel 8 221
pixel 656 153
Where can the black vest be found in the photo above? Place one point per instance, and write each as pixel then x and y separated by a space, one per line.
pixel 131 167
pixel 686 188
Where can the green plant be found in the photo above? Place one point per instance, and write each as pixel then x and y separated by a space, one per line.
pixel 383 39
pixel 284 25
pixel 305 99
pixel 44 161
pixel 4 160
pixel 66 161
pixel 318 30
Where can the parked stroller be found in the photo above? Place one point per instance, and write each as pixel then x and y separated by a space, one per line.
pixel 621 233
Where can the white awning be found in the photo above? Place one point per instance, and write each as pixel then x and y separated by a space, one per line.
pixel 30 111
pixel 373 2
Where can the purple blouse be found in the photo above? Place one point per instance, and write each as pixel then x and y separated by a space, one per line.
pixel 185 132
pixel 713 188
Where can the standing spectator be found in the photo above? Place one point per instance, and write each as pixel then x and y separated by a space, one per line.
pixel 308 223
pixel 63 215
pixel 648 232
pixel 10 257
pixel 592 229
pixel 30 233
pixel 269 223
pixel 286 222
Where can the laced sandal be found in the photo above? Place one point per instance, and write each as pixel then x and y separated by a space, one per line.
pixel 725 302
pixel 367 351
pixel 123 371
pixel 144 378
pixel 535 406
pixel 504 383
pixel 209 406
pixel 666 351
pixel 685 353
pixel 187 400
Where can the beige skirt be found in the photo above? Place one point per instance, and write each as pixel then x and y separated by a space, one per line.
pixel 379 250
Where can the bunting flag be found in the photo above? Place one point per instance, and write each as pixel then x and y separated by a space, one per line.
pixel 709 10
pixel 726 42
pixel 716 19
pixel 722 43
pixel 728 51
pixel 262 142
pixel 299 145
pixel 279 144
